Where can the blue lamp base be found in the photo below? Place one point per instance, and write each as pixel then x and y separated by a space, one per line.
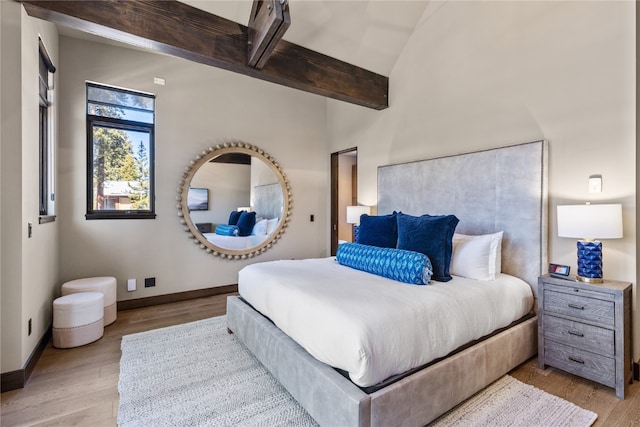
pixel 356 232
pixel 590 261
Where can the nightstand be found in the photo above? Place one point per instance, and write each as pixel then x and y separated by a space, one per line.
pixel 585 329
pixel 205 227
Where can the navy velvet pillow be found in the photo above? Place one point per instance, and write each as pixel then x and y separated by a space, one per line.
pixel 234 217
pixel 381 231
pixel 246 222
pixel 432 236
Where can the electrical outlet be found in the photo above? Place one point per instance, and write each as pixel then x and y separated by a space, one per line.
pixel 29 324
pixel 131 285
pixel 149 282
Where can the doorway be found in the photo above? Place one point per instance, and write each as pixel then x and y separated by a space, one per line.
pixel 344 192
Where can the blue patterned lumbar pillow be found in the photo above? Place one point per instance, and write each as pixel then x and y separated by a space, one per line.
pixel 396 264
pixel 227 230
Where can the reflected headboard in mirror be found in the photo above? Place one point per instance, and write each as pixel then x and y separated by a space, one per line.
pixel 236 176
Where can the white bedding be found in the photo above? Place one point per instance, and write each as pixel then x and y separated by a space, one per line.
pixel 373 327
pixel 235 242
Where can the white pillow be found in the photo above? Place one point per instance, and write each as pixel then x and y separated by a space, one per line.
pixel 260 229
pixel 272 225
pixel 477 257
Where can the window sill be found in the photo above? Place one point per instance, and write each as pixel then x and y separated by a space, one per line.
pixel 44 219
pixel 120 215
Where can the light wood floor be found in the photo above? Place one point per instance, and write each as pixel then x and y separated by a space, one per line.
pixel 79 387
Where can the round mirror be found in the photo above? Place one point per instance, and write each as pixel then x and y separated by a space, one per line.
pixel 234 200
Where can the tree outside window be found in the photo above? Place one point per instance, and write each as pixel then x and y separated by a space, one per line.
pixel 120 142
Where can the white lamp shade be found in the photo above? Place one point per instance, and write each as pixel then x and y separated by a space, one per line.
pixel 354 213
pixel 590 221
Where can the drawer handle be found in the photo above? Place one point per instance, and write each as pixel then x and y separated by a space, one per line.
pixel 576 333
pixel 576 359
pixel 576 306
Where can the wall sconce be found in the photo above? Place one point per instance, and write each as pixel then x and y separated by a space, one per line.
pixel 588 223
pixel 353 217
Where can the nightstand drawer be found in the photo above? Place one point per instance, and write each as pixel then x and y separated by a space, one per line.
pixel 575 334
pixel 581 362
pixel 579 307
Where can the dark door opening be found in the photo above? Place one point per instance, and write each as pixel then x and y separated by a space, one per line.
pixel 344 192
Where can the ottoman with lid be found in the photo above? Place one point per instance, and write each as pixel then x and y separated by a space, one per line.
pixel 78 319
pixel 105 285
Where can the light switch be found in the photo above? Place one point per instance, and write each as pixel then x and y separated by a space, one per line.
pixel 595 184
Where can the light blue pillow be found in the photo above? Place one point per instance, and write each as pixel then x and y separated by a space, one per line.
pixel 227 230
pixel 396 264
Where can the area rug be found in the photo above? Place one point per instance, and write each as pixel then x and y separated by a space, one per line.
pixel 196 374
pixel 509 402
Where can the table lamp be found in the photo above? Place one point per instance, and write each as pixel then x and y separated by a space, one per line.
pixel 589 223
pixel 353 217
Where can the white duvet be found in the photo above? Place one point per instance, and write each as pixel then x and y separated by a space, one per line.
pixel 373 327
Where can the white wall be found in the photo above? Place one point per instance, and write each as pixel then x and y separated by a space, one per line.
pixel 29 265
pixel 478 75
pixel 200 106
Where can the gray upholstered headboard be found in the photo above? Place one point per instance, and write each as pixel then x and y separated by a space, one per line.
pixel 268 200
pixel 489 191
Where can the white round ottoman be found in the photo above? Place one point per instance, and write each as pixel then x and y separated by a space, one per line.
pixel 78 319
pixel 106 285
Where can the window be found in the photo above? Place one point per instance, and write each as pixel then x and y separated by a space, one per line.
pixel 46 160
pixel 120 166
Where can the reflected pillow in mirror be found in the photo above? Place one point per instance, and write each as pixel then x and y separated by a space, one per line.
pixel 246 222
pixel 226 230
pixel 234 217
pixel 272 225
pixel 260 228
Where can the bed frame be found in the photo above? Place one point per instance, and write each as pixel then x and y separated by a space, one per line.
pixel 492 190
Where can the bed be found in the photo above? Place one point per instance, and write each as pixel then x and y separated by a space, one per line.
pixel 494 190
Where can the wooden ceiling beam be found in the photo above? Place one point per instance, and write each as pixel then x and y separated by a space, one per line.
pixel 177 29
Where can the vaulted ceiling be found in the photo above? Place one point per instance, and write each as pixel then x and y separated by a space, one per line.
pixel 369 34
pixel 366 33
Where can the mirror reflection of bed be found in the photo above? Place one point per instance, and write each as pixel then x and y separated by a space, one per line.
pixel 237 200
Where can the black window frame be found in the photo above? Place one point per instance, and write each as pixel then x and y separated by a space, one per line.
pixel 127 125
pixel 45 139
